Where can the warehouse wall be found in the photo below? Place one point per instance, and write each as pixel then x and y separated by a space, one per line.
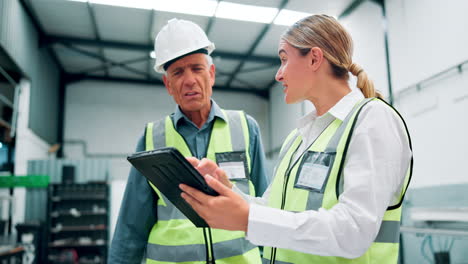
pixel 423 42
pixel 28 147
pixel 21 41
pixel 428 37
pixel 110 117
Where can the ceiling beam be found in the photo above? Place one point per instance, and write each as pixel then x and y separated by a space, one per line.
pixel 111 65
pixel 97 35
pixel 209 26
pixel 50 40
pixel 259 68
pixel 73 78
pixel 350 8
pixel 53 39
pixel 246 83
pixel 98 57
pixel 379 2
pixel 255 44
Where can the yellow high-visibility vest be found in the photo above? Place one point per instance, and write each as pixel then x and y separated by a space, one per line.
pixel 174 238
pixel 328 151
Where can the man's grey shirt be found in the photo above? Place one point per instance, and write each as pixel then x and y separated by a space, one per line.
pixel 138 212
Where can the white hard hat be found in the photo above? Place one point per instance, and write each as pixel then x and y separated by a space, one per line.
pixel 177 38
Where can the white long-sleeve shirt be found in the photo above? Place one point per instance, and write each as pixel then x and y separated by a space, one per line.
pixel 374 171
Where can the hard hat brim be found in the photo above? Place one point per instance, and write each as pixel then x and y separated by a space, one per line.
pixel 159 67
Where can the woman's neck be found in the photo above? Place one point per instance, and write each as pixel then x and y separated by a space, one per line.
pixel 331 92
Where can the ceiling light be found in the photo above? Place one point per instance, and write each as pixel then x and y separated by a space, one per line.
pixel 199 7
pixel 209 8
pixel 246 12
pixel 289 17
pixel 140 4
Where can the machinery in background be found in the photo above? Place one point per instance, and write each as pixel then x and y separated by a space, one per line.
pixel 435 225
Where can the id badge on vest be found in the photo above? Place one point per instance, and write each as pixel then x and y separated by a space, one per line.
pixel 314 170
pixel 234 164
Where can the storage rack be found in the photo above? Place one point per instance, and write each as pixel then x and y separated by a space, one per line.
pixel 78 223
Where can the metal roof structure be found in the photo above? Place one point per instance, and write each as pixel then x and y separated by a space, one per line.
pixel 112 43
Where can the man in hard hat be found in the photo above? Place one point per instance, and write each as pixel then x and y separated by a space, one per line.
pixel 199 128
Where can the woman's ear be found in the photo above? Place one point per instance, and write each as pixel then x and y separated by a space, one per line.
pixel 316 58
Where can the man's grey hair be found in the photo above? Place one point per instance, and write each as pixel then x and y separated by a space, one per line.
pixel 209 61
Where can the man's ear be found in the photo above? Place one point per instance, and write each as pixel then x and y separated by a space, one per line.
pixel 167 84
pixel 315 58
pixel 212 74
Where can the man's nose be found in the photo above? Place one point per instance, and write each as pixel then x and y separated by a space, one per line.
pixel 189 78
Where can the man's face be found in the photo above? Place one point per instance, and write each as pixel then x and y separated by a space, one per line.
pixel 189 81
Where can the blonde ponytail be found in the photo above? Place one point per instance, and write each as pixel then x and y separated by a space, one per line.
pixel 328 34
pixel 363 82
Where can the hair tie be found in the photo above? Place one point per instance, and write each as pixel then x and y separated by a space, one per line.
pixel 354 66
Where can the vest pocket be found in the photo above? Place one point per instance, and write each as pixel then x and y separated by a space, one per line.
pixel 314 170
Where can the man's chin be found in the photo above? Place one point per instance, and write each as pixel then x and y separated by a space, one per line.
pixel 193 107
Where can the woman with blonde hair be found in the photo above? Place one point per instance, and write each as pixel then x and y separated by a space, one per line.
pixel 338 188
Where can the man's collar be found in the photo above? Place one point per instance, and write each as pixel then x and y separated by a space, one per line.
pixel 215 111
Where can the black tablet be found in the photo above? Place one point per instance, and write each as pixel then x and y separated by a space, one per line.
pixel 166 168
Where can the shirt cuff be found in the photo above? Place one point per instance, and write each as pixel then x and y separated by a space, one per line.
pixel 267 225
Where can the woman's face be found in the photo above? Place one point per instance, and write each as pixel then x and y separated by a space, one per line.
pixel 293 73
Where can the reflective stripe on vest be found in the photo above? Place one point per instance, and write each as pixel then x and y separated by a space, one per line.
pixel 285 194
pixel 197 252
pixel 267 261
pixel 174 238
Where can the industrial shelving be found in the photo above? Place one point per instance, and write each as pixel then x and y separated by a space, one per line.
pixel 78 222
